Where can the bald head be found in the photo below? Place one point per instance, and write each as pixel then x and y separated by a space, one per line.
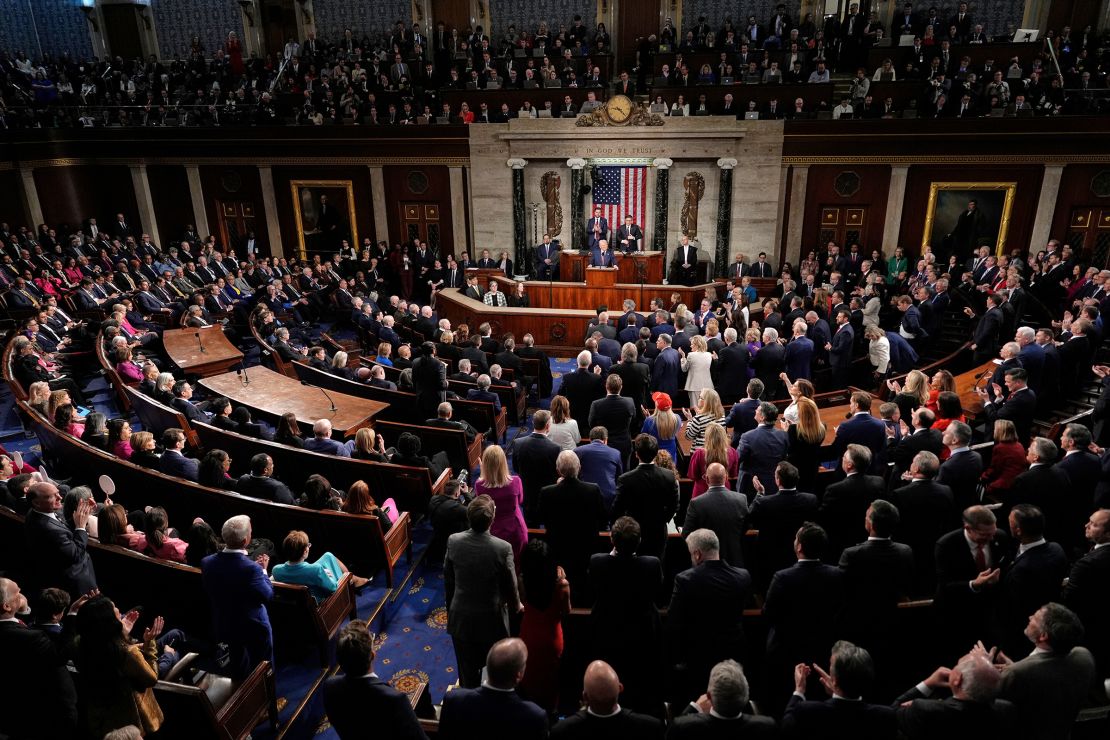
pixel 601 687
pixel 716 475
pixel 505 663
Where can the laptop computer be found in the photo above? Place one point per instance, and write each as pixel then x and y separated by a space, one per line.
pixel 728 81
pixel 442 120
pixel 544 113
pixel 493 84
pixel 751 115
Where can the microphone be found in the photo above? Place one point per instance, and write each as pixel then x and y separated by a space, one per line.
pixel 306 383
pixel 200 342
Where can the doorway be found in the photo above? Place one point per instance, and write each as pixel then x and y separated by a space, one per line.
pixel 279 24
pixel 121 30
pixel 633 25
pixel 236 221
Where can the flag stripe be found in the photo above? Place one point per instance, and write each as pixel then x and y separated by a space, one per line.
pixel 620 191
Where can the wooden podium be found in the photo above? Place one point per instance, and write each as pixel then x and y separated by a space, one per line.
pixel 485 274
pixel 601 277
pixel 646 267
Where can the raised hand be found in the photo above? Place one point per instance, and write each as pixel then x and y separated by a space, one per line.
pixel 154 629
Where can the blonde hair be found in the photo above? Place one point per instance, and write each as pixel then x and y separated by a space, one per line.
pixel 752 335
pixel 364 440
pixel 139 440
pixel 917 385
pixel 698 344
pixel 39 392
pixel 495 468
pixel 711 403
pixel 56 400
pixel 716 446
pixel 666 423
pixel 1005 431
pixel 810 427
pixel 384 348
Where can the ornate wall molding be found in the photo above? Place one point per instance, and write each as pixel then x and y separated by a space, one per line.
pixel 271 161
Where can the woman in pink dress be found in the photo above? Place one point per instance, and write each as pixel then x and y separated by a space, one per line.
pixel 234 51
pixel 507 493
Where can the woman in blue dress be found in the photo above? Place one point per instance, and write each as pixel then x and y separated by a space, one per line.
pixel 321 577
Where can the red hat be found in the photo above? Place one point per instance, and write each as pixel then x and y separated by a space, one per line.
pixel 662 400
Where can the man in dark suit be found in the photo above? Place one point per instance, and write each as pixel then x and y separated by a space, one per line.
pixel 37 692
pixel 534 459
pixel 863 429
pixel 1032 581
pixel 429 380
pixel 778 516
pixel 923 438
pixel 1087 590
pixel 926 511
pixel 741 417
pixel 988 330
pixel 480 582
pixel 582 387
pixel 721 510
pixel 56 553
pixel 879 573
pixel 615 413
pixel 803 604
pixel 572 512
pixel 494 710
pixel 969 568
pixel 602 256
pixel 601 464
pixel 760 450
pixel 684 267
pixel 704 618
pixel 1019 406
pixel 845 503
pixel 238 590
pixel 844 714
pixel 720 711
pixel 732 368
pixel 1047 487
pixel 260 483
pixel 1083 469
pixel 963 468
pixel 597 229
pixel 359 696
pixel 630 237
pixel 647 493
pixel 971 710
pixel 635 382
pixel 666 366
pixel 603 718
pixel 840 348
pixel 547 259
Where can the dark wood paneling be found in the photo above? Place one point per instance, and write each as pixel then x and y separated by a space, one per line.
pixel 452 13
pixel 69 195
pixel 1027 177
pixel 173 205
pixel 874 181
pixel 234 183
pixel 398 191
pixel 11 205
pixel 360 180
pixel 1075 192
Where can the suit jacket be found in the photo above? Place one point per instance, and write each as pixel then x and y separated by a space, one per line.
pixel 39 698
pixel 615 413
pixel 879 573
pixel 843 341
pixel 351 701
pixel 802 608
pixel 843 508
pixel 761 449
pixel 625 724
pixel 866 430
pixel 768 363
pixel 534 461
pixel 926 512
pixel 704 618
pixel 598 259
pixel 191 412
pixel 1048 689
pixel 429 379
pixel 480 583
pixel 1087 593
pixel 581 388
pixel 602 464
pixel 836 718
pixel 491 714
pixel 924 719
pixel 726 513
pixel 799 355
pixel 1018 408
pixel 961 473
pixel 264 487
pixel 327 446
pixel 57 554
pixel 572 512
pixel 972 610
pixel 741 418
pixel 636 380
pixel 624 617
pixel 238 592
pixel 1047 487
pixel 903 453
pixel 603 230
pixel 732 371
pixel 1031 582
pixel 692 725
pixel 648 494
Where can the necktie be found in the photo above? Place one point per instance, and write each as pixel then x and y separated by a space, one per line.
pixel 980 558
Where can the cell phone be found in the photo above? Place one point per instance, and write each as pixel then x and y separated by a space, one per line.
pixel 83 412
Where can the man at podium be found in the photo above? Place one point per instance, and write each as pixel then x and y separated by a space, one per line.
pixel 630 237
pixel 601 256
pixel 597 229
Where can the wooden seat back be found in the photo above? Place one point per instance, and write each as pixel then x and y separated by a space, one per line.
pixel 189 713
pixel 463 455
pixel 115 380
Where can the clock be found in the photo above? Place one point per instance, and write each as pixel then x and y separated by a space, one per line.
pixel 618 109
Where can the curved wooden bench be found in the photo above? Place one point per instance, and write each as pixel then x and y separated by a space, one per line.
pixel 268 352
pixel 115 380
pixel 355 539
pixel 217 709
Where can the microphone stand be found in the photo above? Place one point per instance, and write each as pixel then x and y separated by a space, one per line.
pixel 200 342
pixel 326 395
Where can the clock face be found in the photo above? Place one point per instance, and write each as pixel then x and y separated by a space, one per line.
pixel 619 108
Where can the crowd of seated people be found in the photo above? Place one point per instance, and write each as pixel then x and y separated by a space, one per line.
pixel 398 78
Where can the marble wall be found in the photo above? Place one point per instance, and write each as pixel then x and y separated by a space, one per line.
pixel 715 11
pixel 372 17
pixel 177 21
pixel 55 27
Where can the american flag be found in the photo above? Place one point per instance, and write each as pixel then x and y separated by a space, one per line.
pixel 620 191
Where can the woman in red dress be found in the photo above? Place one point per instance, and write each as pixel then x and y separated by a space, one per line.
pixel 546 595
pixel 234 50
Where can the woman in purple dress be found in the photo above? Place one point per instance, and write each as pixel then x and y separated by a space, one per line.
pixel 507 493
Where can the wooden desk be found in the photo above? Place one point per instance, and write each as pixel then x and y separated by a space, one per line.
pixel 484 275
pixel 218 354
pixel 271 394
pixel 572 266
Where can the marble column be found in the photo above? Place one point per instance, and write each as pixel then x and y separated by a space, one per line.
pixel 520 215
pixel 1046 205
pixel 269 203
pixel 377 196
pixel 141 184
pixel 458 210
pixel 724 215
pixel 32 206
pixel 196 195
pixel 662 167
pixel 895 199
pixel 797 213
pixel 577 221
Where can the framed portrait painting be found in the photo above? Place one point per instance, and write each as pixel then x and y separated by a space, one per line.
pixel 325 215
pixel 963 216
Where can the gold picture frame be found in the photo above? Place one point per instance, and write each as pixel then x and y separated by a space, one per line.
pixel 306 195
pixel 943 217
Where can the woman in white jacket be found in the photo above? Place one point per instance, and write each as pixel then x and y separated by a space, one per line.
pixel 697 366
